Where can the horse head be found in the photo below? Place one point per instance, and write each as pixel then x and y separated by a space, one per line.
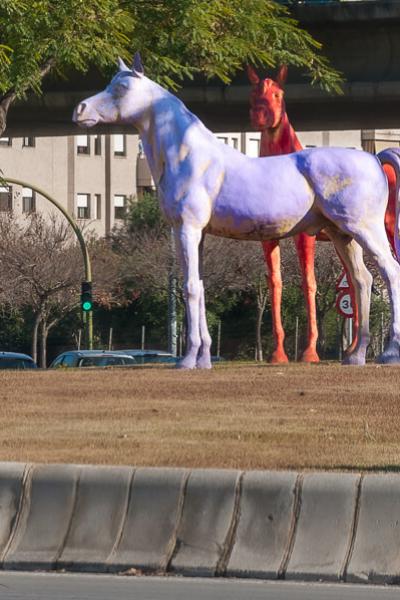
pixel 267 105
pixel 124 100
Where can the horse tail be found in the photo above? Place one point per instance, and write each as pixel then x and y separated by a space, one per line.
pixel 391 156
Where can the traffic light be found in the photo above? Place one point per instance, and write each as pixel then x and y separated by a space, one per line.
pixel 86 296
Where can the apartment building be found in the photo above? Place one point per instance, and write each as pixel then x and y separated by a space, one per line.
pixel 93 176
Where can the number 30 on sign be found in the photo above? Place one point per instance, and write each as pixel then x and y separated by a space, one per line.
pixel 344 305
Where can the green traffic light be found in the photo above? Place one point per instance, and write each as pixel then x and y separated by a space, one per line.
pixel 86 306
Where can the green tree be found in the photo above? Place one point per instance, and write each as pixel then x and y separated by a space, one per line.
pixel 43 36
pixel 177 38
pixel 145 215
pixel 217 38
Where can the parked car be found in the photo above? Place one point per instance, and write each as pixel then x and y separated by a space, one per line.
pixel 158 356
pixel 16 360
pixel 151 356
pixel 92 358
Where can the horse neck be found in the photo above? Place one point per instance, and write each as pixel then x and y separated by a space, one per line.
pixel 162 132
pixel 151 146
pixel 279 140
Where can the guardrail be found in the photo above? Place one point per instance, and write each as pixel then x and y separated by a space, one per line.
pixel 270 525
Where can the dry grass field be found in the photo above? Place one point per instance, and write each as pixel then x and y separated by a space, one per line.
pixel 243 416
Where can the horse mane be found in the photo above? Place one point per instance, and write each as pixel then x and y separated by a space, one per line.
pixel 180 107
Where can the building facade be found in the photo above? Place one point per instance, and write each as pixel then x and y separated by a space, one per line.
pixel 91 176
pixel 94 176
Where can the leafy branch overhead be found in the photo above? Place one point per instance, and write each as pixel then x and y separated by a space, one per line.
pixel 177 38
pixel 180 38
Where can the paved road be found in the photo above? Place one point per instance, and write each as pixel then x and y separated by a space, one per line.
pixel 44 586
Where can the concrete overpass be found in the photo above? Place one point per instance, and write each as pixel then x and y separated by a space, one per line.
pixel 361 39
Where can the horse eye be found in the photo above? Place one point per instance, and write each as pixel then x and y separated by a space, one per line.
pixel 120 88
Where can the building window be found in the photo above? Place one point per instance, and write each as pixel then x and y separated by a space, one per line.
pixel 229 141
pixel 119 206
pixel 5 198
pixel 119 144
pixel 28 142
pixel 83 206
pixel 5 141
pixel 253 148
pixel 83 144
pixel 97 145
pixel 28 200
pixel 98 205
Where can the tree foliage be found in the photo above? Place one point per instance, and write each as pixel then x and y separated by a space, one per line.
pixel 217 38
pixel 178 38
pixel 58 34
pixel 41 270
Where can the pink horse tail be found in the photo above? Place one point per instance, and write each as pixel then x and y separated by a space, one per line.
pixel 391 156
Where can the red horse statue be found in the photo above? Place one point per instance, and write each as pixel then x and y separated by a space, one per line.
pixel 268 115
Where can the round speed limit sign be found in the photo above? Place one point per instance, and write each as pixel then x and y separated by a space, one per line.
pixel 344 304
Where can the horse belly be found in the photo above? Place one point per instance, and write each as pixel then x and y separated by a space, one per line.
pixel 262 208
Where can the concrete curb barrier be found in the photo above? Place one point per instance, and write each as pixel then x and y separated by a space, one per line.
pixel 11 486
pixel 208 512
pixel 321 526
pixel 149 535
pixel 376 556
pixel 324 528
pixel 45 510
pixel 98 518
pixel 264 527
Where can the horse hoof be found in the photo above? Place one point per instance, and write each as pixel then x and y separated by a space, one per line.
pixel 205 364
pixel 278 357
pixel 354 360
pixel 185 364
pixel 388 358
pixel 309 356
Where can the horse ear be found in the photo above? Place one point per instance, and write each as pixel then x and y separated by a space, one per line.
pixel 252 75
pixel 121 65
pixel 137 66
pixel 282 75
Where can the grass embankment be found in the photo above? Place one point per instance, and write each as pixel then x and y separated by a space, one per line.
pixel 239 416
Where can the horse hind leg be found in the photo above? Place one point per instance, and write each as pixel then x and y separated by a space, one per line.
pixel 351 254
pixel 376 243
pixel 274 279
pixel 305 246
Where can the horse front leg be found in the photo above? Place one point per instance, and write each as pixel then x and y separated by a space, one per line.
pixel 305 246
pixel 274 279
pixel 188 240
pixel 204 357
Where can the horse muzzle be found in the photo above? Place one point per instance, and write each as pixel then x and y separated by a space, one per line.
pixel 83 117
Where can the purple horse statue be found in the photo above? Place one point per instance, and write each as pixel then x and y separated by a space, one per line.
pixel 205 186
